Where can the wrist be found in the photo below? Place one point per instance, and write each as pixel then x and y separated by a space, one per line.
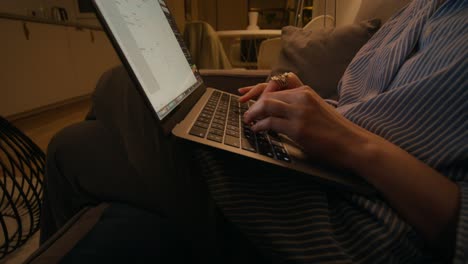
pixel 361 152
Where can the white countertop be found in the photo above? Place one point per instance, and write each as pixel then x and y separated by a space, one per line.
pixel 249 33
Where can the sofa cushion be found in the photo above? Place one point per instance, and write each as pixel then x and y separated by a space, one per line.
pixel 320 57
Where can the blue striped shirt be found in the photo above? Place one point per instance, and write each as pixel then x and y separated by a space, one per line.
pixel 408 84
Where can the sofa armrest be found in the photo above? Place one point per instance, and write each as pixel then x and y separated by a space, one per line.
pixel 231 80
pixel 64 240
pixel 89 237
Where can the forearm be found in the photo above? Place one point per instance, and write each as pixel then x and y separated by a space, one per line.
pixel 422 196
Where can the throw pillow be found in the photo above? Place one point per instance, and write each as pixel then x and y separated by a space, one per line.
pixel 320 57
pixel 381 9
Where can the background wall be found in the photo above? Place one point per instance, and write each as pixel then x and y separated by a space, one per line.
pixel 220 14
pixel 177 8
pixel 346 11
pixel 25 7
pixel 69 60
pixel 47 64
pixel 227 15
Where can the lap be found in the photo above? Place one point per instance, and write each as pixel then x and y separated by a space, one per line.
pixel 124 156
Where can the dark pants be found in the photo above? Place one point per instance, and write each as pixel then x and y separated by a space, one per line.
pixel 123 156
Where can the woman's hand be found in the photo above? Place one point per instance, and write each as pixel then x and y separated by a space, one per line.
pixel 306 118
pixel 422 196
pixel 254 92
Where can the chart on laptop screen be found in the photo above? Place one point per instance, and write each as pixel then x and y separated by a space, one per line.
pixel 153 51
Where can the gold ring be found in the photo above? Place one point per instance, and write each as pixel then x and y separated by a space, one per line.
pixel 281 80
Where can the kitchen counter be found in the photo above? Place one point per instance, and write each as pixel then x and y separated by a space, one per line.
pixel 48 21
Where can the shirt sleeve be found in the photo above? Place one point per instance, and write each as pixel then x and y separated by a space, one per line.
pixel 461 242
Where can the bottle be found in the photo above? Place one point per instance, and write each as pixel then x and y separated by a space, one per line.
pixel 43 10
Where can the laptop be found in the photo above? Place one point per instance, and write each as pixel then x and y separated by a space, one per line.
pixel 146 38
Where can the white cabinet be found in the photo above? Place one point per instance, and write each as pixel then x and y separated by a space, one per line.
pixel 35 65
pixel 12 59
pixel 220 14
pixel 42 64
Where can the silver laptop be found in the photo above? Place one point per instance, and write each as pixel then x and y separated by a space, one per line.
pixel 147 40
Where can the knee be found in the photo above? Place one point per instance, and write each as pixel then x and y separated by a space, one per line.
pixel 77 147
pixel 57 146
pixel 116 100
pixel 84 151
pixel 112 85
pixel 61 145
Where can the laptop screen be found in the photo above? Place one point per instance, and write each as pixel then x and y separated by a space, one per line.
pixel 149 40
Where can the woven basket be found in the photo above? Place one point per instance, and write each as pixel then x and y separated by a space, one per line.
pixel 21 173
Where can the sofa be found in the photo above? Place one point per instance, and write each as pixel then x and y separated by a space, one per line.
pixel 88 232
pixel 327 54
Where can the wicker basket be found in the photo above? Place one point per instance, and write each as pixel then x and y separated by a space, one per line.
pixel 21 173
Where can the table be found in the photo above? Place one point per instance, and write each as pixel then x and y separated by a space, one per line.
pixel 245 54
pixel 253 34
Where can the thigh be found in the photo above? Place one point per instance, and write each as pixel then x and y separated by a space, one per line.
pixel 84 160
pixel 87 164
pixel 164 173
pixel 84 166
pixel 160 166
pixel 124 156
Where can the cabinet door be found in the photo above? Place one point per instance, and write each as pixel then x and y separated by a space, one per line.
pixel 91 55
pixel 232 15
pixel 35 67
pixel 12 48
pixel 221 14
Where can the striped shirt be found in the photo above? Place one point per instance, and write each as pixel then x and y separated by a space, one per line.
pixel 408 84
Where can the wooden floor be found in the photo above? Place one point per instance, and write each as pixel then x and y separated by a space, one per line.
pixel 43 126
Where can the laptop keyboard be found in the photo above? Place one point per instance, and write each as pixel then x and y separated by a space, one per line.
pixel 221 121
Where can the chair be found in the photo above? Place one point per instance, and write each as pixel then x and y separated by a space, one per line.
pixel 205 47
pixel 270 48
pixel 21 172
pixel 323 21
pixel 268 53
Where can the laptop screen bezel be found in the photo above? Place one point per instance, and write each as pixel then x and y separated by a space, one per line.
pixel 179 112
